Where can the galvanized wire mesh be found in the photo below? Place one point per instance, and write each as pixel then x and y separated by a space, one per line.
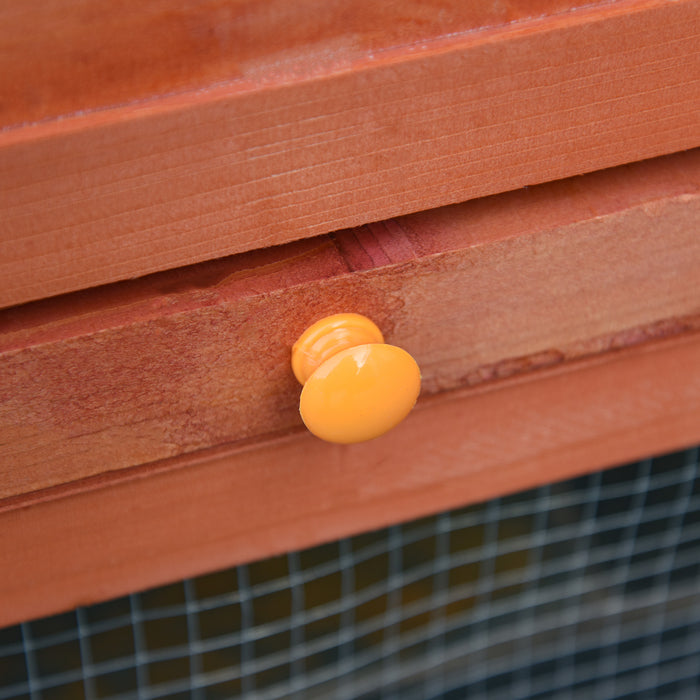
pixel 588 588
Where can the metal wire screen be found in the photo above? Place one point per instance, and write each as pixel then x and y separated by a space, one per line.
pixel 588 588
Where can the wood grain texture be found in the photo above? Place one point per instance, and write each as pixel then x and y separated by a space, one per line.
pixel 140 371
pixel 65 57
pixel 186 133
pixel 119 533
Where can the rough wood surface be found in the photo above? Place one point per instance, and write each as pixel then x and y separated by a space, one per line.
pixel 136 137
pixel 66 57
pixel 119 533
pixel 140 371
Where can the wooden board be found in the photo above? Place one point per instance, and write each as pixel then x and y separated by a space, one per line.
pixel 182 361
pixel 136 137
pixel 66 57
pixel 119 533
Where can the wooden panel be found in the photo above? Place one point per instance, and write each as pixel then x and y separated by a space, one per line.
pixel 141 371
pixel 63 57
pixel 119 533
pixel 175 142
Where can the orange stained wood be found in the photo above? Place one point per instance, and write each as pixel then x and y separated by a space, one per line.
pixel 119 533
pixel 65 57
pixel 186 360
pixel 136 137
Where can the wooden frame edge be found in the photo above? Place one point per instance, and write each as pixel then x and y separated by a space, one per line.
pixel 166 185
pixel 207 511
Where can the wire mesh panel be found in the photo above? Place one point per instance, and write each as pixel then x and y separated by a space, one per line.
pixel 588 588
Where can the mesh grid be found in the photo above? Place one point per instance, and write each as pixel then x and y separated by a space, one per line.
pixel 587 588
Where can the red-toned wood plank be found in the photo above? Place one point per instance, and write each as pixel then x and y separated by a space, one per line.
pixel 151 164
pixel 63 57
pixel 120 533
pixel 140 371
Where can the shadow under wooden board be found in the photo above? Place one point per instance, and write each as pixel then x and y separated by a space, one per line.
pixel 137 137
pixel 186 360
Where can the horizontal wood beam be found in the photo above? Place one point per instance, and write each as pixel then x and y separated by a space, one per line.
pixel 182 361
pixel 61 58
pixel 136 141
pixel 125 531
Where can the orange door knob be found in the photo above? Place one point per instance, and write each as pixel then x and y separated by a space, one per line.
pixel 356 387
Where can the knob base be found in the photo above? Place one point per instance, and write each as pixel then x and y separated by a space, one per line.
pixel 328 337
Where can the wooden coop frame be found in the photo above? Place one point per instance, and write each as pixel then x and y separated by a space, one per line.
pixel 510 195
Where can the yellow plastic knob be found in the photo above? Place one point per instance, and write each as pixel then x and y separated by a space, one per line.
pixel 356 387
